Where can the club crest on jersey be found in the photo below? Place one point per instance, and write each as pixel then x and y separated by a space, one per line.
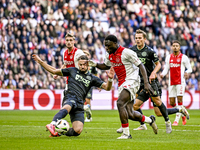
pixel 117 59
pixel 88 77
pixel 178 60
pixel 71 56
pixel 144 54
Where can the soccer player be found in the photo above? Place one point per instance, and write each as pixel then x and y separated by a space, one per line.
pixel 126 65
pixel 79 83
pixel 151 62
pixel 70 55
pixel 176 64
pixel 87 106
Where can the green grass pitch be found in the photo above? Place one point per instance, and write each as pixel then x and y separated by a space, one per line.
pixel 23 130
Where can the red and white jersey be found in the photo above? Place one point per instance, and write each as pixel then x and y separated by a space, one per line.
pixel 70 59
pixel 124 62
pixel 176 66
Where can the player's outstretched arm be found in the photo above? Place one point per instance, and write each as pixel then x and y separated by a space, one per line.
pixel 100 66
pixel 107 86
pixel 47 67
pixel 147 86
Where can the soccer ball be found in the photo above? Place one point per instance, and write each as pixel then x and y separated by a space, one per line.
pixel 62 126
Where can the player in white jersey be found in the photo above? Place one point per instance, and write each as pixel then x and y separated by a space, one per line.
pixel 126 65
pixel 176 64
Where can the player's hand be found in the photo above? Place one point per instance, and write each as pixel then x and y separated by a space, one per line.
pixel 55 77
pixel 99 89
pixel 36 58
pixel 92 63
pixel 186 75
pixel 161 76
pixel 153 76
pixel 111 73
pixel 148 88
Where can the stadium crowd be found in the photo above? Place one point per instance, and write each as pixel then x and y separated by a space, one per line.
pixel 28 27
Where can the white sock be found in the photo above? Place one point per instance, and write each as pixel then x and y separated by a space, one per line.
pixel 147 119
pixel 178 115
pixel 53 123
pixel 126 130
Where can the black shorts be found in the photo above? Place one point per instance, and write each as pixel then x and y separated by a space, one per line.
pixel 89 94
pixel 143 96
pixel 77 111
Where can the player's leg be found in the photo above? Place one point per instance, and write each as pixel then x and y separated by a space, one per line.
pixel 157 100
pixel 137 116
pixel 136 106
pixel 122 101
pixel 87 106
pixel 77 119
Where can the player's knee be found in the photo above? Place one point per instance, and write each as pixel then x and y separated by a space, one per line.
pixel 120 103
pixel 78 130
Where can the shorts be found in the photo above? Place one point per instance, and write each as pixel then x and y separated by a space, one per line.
pixel 176 90
pixel 89 94
pixel 77 111
pixel 130 85
pixel 143 96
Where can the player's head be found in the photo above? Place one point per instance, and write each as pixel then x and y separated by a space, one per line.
pixel 70 40
pixel 111 44
pixel 140 37
pixel 83 63
pixel 176 45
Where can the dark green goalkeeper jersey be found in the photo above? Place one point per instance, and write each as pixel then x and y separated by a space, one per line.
pixel 148 57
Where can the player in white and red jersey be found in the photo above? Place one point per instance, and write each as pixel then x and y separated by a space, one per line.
pixel 176 64
pixel 71 54
pixel 126 65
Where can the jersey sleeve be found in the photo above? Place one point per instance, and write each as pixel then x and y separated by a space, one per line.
pixel 131 56
pixel 107 61
pixel 153 56
pixel 97 82
pixel 65 72
pixel 187 64
pixel 166 67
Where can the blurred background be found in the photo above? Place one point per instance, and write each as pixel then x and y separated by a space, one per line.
pixel 30 26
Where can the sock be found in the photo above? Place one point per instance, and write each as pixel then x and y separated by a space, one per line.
pixel 53 123
pixel 71 132
pixel 173 105
pixel 139 110
pixel 61 114
pixel 178 115
pixel 181 103
pixel 172 110
pixel 146 119
pixel 164 112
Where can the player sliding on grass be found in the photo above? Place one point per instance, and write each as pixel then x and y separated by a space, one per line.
pixel 126 65
pixel 79 83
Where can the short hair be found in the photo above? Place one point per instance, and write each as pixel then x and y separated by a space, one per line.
pixel 86 52
pixel 112 38
pixel 139 31
pixel 83 57
pixel 176 41
pixel 69 34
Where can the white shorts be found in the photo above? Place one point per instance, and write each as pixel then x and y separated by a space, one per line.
pixel 176 90
pixel 132 86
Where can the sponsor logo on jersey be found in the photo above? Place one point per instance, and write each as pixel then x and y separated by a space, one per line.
pixel 116 64
pixel 143 60
pixel 69 62
pixel 81 79
pixel 174 65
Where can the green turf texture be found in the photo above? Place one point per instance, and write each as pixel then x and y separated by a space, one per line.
pixel 23 130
